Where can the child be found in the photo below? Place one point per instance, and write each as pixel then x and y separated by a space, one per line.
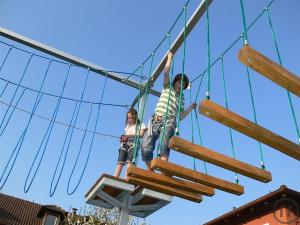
pixel 127 140
pixel 157 123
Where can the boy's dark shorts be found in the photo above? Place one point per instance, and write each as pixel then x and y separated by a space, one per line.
pixel 125 152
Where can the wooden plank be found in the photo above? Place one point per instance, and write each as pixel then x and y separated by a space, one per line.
pixel 169 181
pixel 219 159
pixel 195 176
pixel 166 190
pixel 270 69
pixel 237 122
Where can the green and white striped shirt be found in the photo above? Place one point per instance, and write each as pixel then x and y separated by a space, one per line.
pixel 162 104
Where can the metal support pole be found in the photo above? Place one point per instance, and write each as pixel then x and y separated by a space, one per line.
pixel 124 214
pixel 71 59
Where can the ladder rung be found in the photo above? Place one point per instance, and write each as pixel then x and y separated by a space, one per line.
pixel 270 69
pixel 235 121
pixel 165 189
pixel 196 176
pixel 169 181
pixel 219 159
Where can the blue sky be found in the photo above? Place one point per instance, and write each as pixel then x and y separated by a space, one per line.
pixel 120 35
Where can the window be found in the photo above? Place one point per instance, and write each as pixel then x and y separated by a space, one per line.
pixel 50 220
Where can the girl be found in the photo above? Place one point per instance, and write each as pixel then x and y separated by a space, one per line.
pixel 127 140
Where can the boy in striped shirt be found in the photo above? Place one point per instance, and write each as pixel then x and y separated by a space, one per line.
pixel 166 109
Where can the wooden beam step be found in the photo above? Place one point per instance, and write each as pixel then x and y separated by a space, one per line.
pixel 196 176
pixel 165 189
pixel 239 123
pixel 169 181
pixel 219 159
pixel 269 69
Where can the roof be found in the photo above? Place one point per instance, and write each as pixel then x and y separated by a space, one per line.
pixel 257 207
pixel 15 211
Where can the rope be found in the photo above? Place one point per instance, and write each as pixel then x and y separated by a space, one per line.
pixel 90 147
pixel 198 125
pixel 45 143
pixel 280 62
pixel 6 56
pixel 192 125
pixel 244 23
pixel 4 89
pixel 163 40
pixel 12 112
pixel 66 63
pixel 60 123
pixel 17 147
pixel 65 98
pixel 226 103
pixel 208 51
pixel 158 152
pixel 262 164
pixel 138 126
pixel 183 67
pixel 52 190
pixel 14 95
pixel 233 43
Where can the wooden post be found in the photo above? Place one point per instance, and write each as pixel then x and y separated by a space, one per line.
pixel 196 176
pixel 235 121
pixel 169 181
pixel 219 159
pixel 270 69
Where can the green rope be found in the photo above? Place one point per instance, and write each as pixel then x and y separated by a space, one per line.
pixel 200 138
pixel 226 104
pixel 262 164
pixel 183 67
pixel 280 61
pixel 208 51
pixel 136 122
pixel 244 23
pixel 198 126
pixel 168 103
pixel 192 124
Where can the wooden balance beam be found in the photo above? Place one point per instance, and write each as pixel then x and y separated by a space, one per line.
pixel 196 176
pixel 219 159
pixel 269 69
pixel 165 189
pixel 237 122
pixel 195 188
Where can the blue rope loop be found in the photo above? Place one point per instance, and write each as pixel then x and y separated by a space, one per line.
pixel 15 93
pixel 17 147
pixel 72 124
pixel 90 147
pixel 45 140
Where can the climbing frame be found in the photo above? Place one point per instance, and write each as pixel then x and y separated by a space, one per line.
pixel 219 159
pixel 269 69
pixel 237 122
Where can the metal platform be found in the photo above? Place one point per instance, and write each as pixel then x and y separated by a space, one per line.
pixel 109 192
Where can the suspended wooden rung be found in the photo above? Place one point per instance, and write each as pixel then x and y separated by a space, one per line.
pixel 219 159
pixel 196 176
pixel 269 69
pixel 239 123
pixel 166 189
pixel 145 202
pixel 169 181
pixel 109 192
